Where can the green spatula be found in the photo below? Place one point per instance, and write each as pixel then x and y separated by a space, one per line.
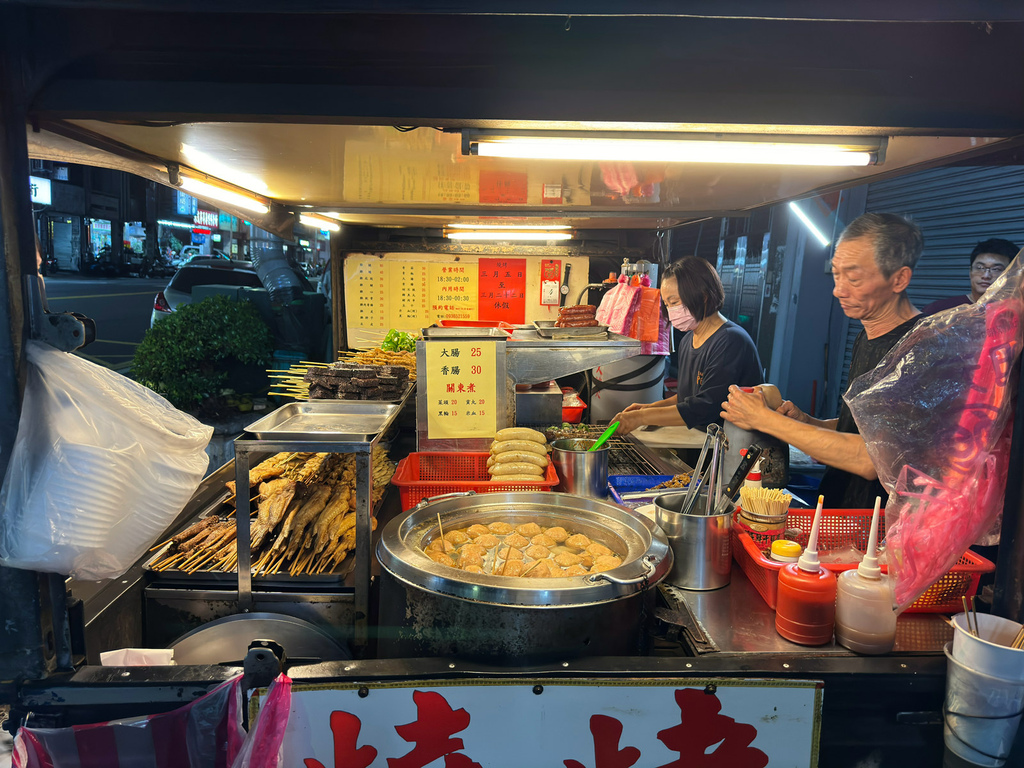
pixel 604 438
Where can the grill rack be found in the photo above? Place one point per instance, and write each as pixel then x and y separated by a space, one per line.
pixel 624 457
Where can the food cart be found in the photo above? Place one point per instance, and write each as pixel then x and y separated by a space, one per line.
pixel 127 85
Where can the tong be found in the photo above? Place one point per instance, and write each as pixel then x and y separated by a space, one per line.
pixel 713 440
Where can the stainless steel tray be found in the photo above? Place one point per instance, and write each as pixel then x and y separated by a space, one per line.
pixel 547 330
pixel 326 420
pixel 464 333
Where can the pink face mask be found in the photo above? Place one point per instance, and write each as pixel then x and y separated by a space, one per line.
pixel 681 318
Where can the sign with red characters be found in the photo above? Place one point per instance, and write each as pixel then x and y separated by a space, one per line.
pixel 502 287
pixel 714 723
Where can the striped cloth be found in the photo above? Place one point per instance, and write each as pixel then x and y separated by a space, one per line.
pixel 206 733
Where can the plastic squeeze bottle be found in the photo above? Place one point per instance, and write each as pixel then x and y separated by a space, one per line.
pixel 805 611
pixel 865 620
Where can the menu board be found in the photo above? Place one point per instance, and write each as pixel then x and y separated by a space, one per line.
pixel 461 389
pixel 411 291
pixel 408 295
pixel 365 293
pixel 503 290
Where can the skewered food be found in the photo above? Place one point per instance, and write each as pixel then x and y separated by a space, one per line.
pixel 305 518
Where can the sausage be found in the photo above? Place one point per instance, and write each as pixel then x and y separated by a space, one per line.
pixel 518 445
pixel 580 309
pixel 508 457
pixel 516 468
pixel 519 433
pixel 516 479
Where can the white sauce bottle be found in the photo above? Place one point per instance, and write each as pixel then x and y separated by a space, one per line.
pixel 865 620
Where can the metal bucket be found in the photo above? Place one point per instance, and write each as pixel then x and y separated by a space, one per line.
pixel 701 544
pixel 580 471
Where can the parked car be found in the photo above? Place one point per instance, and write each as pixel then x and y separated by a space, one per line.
pixel 202 271
pixel 206 270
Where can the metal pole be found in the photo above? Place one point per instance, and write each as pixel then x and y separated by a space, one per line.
pixel 27 643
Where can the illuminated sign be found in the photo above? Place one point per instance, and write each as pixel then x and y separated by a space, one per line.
pixel 208 219
pixel 40 189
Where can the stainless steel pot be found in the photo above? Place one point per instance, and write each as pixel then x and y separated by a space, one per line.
pixel 428 609
pixel 580 470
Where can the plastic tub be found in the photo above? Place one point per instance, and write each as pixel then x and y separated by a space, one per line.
pixel 981 713
pixel 989 653
pixel 426 474
pixel 572 414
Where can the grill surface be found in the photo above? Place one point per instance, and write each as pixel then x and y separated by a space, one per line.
pixel 625 457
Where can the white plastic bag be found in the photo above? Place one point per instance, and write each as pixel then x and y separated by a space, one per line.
pixel 101 466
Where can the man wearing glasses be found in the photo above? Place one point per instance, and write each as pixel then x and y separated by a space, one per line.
pixel 988 260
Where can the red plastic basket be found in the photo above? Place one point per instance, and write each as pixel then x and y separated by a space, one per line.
pixel 841 528
pixel 432 473
pixel 572 414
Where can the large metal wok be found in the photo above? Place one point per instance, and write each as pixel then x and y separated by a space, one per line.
pixel 429 609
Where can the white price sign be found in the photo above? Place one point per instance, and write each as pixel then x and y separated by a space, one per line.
pixel 714 723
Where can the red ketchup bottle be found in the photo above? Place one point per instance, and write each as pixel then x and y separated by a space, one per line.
pixel 805 611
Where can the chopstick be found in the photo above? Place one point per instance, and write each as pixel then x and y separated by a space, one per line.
pixel 1018 641
pixel 967 616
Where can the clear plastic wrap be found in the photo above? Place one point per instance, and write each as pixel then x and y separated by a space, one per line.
pixel 935 415
pixel 100 467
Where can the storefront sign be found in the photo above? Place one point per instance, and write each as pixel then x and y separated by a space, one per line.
pixel 715 723
pixel 40 189
pixel 204 218
pixel 227 222
pixel 461 389
pixel 503 290
pixel 185 204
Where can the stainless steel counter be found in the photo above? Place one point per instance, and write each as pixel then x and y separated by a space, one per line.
pixel 738 621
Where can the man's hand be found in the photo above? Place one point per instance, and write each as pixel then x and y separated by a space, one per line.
pixel 634 407
pixel 745 410
pixel 629 419
pixel 789 409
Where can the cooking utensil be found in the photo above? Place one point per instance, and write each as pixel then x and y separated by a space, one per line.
pixel 732 488
pixel 429 609
pixel 701 544
pixel 715 469
pixel 581 471
pixel 604 436
pixel 696 475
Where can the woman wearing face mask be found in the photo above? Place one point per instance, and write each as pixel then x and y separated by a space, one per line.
pixel 713 354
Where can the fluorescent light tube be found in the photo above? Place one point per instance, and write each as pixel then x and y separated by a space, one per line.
pixel 506 227
pixel 509 235
pixel 808 223
pixel 223 195
pixel 669 149
pixel 315 221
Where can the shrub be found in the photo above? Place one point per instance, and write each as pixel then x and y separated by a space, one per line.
pixel 188 356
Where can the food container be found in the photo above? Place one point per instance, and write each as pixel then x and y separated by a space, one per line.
pixel 701 544
pixel 429 609
pixel 580 471
pixel 424 474
pixel 841 528
pixel 990 651
pixel 572 414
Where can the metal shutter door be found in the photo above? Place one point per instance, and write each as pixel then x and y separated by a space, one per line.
pixel 956 208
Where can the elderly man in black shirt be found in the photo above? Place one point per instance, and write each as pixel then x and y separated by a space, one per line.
pixel 872 267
